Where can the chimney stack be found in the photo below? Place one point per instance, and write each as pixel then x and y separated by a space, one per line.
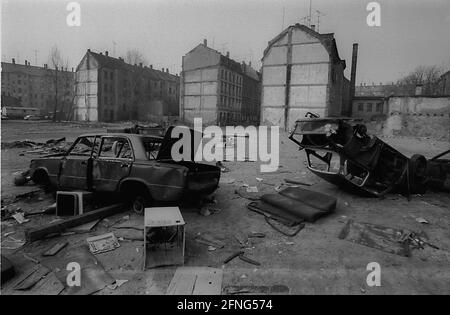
pixel 14 61
pixel 313 27
pixel 228 54
pixel 106 53
pixel 151 66
pixel 140 64
pixel 353 76
pixel 167 70
pixel 205 42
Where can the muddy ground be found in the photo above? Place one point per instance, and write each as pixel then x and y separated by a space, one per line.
pixel 315 261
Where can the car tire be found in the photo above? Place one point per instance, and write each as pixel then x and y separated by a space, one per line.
pixel 140 201
pixel 40 177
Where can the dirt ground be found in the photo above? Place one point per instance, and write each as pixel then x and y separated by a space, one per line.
pixel 315 261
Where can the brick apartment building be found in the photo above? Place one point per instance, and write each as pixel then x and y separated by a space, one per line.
pixel 218 89
pixel 109 89
pixel 24 85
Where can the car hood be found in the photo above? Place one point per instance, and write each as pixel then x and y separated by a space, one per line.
pixel 165 152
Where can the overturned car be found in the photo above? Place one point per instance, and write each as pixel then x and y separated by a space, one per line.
pixel 139 167
pixel 340 151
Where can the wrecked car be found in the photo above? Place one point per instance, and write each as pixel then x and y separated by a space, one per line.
pixel 339 150
pixel 139 167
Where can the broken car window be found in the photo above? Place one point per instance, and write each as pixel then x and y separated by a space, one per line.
pixel 83 146
pixel 152 147
pixel 117 148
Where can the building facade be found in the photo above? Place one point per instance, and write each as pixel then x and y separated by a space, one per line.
pixel 443 85
pixel 109 89
pixel 30 86
pixel 302 72
pixel 218 89
pixel 369 107
pixel 386 90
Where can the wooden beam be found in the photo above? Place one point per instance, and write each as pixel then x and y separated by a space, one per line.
pixel 58 227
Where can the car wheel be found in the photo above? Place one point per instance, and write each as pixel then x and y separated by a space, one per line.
pixel 139 203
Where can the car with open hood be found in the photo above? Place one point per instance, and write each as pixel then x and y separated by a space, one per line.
pixel 139 167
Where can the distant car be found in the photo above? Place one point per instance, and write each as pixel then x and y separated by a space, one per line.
pixel 31 117
pixel 139 167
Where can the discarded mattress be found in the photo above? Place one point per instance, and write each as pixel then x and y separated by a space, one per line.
pixel 294 205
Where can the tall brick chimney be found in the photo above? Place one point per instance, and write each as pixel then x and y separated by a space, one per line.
pixel 205 42
pixel 13 61
pixel 353 76
pixel 106 53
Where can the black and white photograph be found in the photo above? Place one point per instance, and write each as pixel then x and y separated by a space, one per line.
pixel 225 153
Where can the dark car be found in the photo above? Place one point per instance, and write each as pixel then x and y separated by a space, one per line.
pixel 340 151
pixel 139 167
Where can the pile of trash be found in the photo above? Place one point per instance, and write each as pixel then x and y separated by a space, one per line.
pixel 52 146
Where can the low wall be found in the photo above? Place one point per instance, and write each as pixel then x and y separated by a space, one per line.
pixel 418 116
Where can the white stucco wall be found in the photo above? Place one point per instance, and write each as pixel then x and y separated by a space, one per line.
pixel 309 82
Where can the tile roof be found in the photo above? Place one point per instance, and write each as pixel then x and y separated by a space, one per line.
pixel 116 63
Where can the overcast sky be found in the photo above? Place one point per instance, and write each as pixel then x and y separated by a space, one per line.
pixel 412 32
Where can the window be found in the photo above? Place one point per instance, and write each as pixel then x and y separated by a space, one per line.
pixel 379 107
pixel 83 147
pixel 369 107
pixel 152 147
pixel 360 107
pixel 115 148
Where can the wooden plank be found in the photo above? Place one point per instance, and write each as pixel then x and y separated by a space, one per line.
pixel 58 227
pixel 196 281
pixel 209 282
pixel 182 283
pixel 55 249
pixel 48 286
pixel 32 279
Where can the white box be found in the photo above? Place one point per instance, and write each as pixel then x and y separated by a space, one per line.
pixel 164 237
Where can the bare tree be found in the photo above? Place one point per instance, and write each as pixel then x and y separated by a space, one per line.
pixel 58 63
pixel 135 57
pixel 427 76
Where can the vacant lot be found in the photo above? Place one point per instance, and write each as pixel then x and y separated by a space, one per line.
pixel 315 261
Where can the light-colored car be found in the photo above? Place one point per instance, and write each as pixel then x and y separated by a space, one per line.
pixel 139 167
pixel 31 117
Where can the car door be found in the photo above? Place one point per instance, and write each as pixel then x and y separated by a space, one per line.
pixel 112 163
pixel 75 166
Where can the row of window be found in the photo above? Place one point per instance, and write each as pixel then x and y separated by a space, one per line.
pixel 229 102
pixel 109 87
pixel 230 89
pixel 369 107
pixel 230 76
pixel 226 118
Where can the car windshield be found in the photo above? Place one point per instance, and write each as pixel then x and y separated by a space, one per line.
pixel 152 146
